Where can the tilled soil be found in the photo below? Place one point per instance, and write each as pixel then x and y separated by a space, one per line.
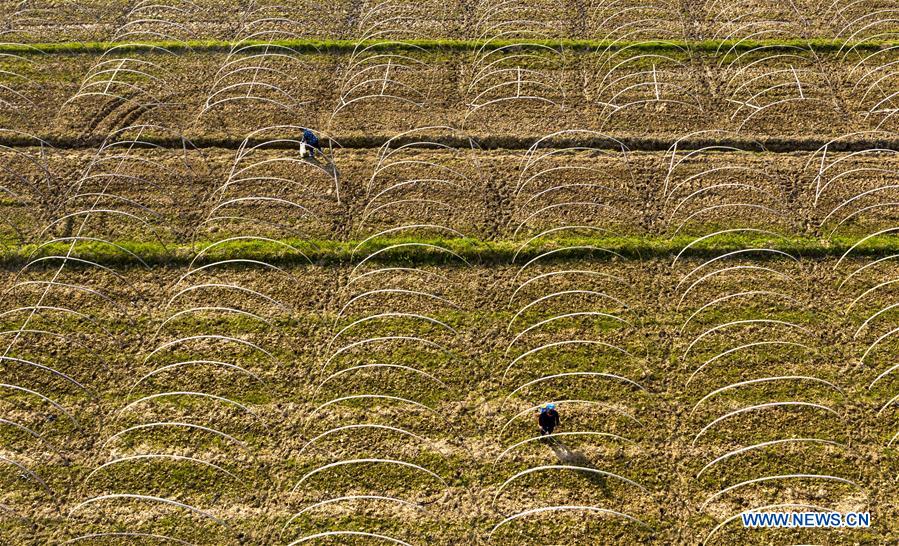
pixel 207 339
pixel 462 441
pixel 45 21
pixel 210 95
pixel 185 196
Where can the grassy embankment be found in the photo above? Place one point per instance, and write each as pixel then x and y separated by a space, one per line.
pixel 473 251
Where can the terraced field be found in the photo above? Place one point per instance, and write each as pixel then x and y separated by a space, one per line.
pixel 677 220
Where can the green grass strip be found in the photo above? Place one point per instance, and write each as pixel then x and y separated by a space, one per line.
pixel 435 250
pixel 443 45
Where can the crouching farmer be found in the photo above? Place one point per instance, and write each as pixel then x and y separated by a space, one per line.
pixel 309 143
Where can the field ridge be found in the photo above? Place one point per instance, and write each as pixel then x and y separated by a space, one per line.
pixel 430 250
pixel 702 139
pixel 302 45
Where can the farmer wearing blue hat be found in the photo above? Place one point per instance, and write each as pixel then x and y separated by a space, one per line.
pixel 547 418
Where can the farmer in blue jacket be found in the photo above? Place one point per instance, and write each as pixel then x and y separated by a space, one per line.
pixel 311 142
